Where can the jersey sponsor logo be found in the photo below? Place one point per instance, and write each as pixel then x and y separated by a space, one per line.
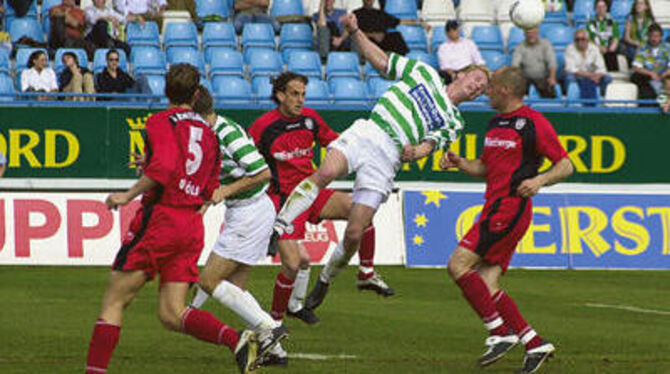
pixel 427 107
pixel 289 155
pixel 499 143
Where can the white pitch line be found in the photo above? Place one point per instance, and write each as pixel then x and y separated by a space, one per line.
pixel 320 357
pixel 629 308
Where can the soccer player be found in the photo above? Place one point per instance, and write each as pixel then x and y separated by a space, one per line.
pixel 248 218
pixel 166 236
pixel 285 137
pixel 415 117
pixel 517 140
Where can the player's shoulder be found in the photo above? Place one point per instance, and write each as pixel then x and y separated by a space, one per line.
pixel 309 112
pixel 264 120
pixel 538 119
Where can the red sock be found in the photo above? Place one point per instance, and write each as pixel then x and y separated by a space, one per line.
pixel 204 326
pixel 100 348
pixel 477 294
pixel 282 294
pixel 366 254
pixel 514 320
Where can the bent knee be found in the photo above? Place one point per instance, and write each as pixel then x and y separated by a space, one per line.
pixel 291 269
pixel 354 233
pixel 208 282
pixel 170 320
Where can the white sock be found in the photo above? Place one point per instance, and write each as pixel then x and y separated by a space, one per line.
pixel 268 321
pixel 235 299
pixel 299 200
pixel 299 290
pixel 200 298
pixel 338 260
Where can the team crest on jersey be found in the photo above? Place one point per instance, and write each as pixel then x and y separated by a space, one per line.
pixel 520 123
pixel 309 123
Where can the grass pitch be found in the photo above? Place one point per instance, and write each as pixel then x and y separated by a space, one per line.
pixel 47 315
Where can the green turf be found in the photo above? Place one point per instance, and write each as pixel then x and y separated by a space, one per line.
pixel 47 314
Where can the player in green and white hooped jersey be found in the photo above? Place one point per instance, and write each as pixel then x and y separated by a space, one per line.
pixel 244 241
pixel 415 117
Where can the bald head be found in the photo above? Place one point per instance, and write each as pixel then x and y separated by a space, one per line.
pixel 512 79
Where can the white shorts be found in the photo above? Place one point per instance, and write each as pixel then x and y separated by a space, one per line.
pixel 371 154
pixel 246 235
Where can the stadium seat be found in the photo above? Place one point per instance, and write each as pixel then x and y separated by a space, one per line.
pixel 545 102
pixel 208 8
pixel 305 62
pixel 262 89
pixel 46 20
pixel 32 10
pixel 620 9
pixel 205 82
pixel 281 8
pixel 341 64
pixel 516 37
pixel 258 35
pixel 156 83
pixel 476 10
pixel 22 56
pixel 4 61
pixel 143 36
pixel 403 9
pixel 378 86
pixel 559 16
pixel 226 61
pixel 559 35
pixel 348 90
pixel 437 12
pixel 147 60
pixel 295 37
pixel 487 37
pixel 186 55
pixel 428 58
pixel 369 71
pixel 216 35
pixel 621 91
pixel 560 63
pixel 572 95
pixel 439 37
pixel 415 37
pixel 180 34
pixel 316 92
pixel 6 87
pixel 494 59
pixel 100 60
pixel 25 26
pixel 582 10
pixel 265 62
pixel 58 59
pixel 232 89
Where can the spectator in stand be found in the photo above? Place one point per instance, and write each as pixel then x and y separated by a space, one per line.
pixel 651 67
pixel 637 25
pixel 537 60
pixel 142 10
pixel 39 77
pixel 585 66
pixel 189 6
pixel 248 11
pixel 68 23
pixel 604 31
pixel 103 26
pixel 75 79
pixel 113 79
pixel 456 53
pixel 329 29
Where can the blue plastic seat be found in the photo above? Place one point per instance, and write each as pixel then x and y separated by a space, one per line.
pixel 405 9
pixel 258 35
pixel 22 56
pixel 439 37
pixel 156 83
pixel 205 8
pixel 186 55
pixel 287 8
pixel 143 36
pixel 147 60
pixel 348 90
pixel 316 92
pixel 415 37
pixel 25 26
pixel 232 89
pixel 265 62
pixel 32 10
pixel 58 59
pixel 573 95
pixel 620 9
pixel 4 61
pixel 557 101
pixel 559 16
pixel 296 35
pixel 428 58
pixel 516 37
pixel 46 20
pixel 305 62
pixel 216 35
pixel 666 34
pixel 100 60
pixel 487 37
pixel 560 63
pixel 342 64
pixel 226 62
pixel 7 90
pixel 262 88
pixel 558 34
pixel 583 10
pixel 205 82
pixel 494 59
pixel 369 71
pixel 180 34
pixel 378 86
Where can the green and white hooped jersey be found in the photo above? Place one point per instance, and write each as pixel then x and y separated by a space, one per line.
pixel 239 157
pixel 417 107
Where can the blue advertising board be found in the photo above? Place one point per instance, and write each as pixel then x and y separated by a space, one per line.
pixel 569 230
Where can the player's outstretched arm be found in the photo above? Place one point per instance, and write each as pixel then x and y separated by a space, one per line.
pixel 417 152
pixel 378 59
pixel 122 198
pixel 474 168
pixel 561 170
pixel 240 185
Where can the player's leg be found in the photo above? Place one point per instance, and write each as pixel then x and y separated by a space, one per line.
pixel 121 289
pixel 289 253
pixel 296 308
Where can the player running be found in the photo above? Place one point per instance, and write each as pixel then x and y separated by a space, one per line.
pixel 286 136
pixel 166 236
pixel 517 140
pixel 415 117
pixel 244 241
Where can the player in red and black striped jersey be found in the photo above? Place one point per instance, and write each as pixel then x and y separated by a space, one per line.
pixel 516 143
pixel 285 137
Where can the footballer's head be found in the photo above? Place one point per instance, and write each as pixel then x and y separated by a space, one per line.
pixel 469 83
pixel 204 105
pixel 508 86
pixel 288 91
pixel 181 84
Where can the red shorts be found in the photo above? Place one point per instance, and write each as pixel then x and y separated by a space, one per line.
pixel 311 215
pixel 502 224
pixel 163 240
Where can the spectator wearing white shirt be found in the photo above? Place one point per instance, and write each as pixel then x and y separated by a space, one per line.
pixel 102 26
pixel 456 53
pixel 585 66
pixel 39 77
pixel 142 10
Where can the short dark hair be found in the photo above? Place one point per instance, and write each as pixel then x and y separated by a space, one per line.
pixel 607 3
pixel 181 82
pixel 204 104
pixel 451 24
pixel 279 83
pixel 110 52
pixel 655 27
pixel 71 54
pixel 34 56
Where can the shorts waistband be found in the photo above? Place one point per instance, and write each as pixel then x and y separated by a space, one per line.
pixel 244 202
